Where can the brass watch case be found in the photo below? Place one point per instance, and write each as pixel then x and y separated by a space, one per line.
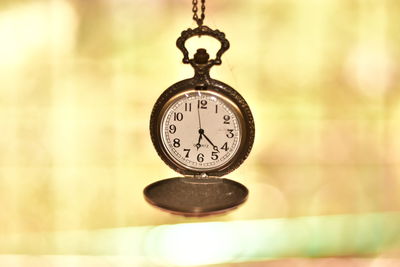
pixel 200 193
pixel 226 93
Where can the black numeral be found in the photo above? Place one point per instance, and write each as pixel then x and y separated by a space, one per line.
pixel 187 150
pixel 178 116
pixel 200 157
pixel 177 142
pixel 230 133
pixel 227 119
pixel 216 108
pixel 188 106
pixel 225 146
pixel 172 129
pixel 202 104
pixel 214 155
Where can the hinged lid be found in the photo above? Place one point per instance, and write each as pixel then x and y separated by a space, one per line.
pixel 196 196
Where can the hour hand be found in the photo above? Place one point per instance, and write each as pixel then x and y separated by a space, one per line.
pixel 198 145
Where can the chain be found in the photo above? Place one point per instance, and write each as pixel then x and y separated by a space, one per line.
pixel 195 9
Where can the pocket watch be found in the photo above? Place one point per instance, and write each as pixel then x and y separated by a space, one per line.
pixel 203 129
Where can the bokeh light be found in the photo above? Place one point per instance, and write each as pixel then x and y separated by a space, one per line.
pixel 78 80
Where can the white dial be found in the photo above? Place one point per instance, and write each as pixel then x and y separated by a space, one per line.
pixel 200 130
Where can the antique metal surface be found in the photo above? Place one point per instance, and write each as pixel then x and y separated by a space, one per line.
pixel 202 81
pixel 196 196
pixel 195 9
pixel 225 91
pixel 200 31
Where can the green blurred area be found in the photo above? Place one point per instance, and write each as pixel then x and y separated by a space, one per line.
pixel 78 80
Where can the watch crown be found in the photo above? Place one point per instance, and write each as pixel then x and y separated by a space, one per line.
pixel 201 56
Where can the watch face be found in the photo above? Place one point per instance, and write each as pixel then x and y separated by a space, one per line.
pixel 201 130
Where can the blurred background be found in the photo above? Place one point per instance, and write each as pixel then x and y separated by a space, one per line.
pixel 78 80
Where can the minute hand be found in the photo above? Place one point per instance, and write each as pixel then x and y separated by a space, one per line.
pixel 214 146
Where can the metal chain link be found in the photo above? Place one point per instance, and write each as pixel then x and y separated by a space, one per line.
pixel 195 9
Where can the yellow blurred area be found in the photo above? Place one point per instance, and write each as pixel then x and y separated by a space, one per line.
pixel 78 80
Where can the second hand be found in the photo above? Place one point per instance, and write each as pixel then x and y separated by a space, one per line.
pixel 198 145
pixel 198 115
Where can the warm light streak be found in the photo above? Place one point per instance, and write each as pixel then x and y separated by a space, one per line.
pixel 224 242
